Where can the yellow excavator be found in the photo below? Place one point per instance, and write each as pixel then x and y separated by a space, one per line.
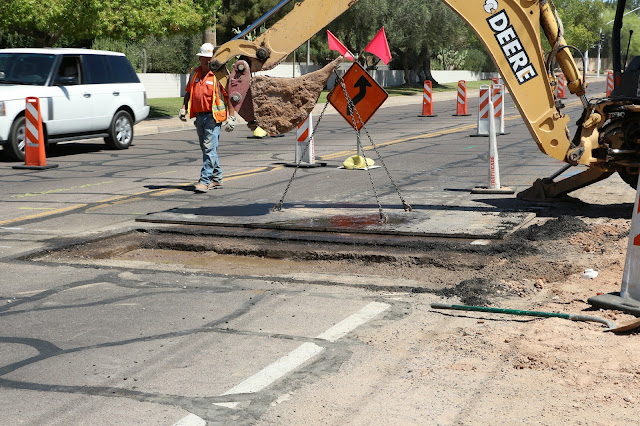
pixel 606 140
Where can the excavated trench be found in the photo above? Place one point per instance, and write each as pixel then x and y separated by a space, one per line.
pixel 514 266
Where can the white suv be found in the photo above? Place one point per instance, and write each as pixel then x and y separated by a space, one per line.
pixel 83 94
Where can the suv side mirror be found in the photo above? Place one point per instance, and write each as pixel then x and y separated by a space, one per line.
pixel 66 81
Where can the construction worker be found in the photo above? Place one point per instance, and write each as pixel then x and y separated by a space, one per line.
pixel 207 101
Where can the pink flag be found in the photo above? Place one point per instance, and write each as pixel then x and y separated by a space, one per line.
pixel 334 44
pixel 379 47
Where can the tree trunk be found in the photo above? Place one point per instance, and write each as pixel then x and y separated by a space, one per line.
pixel 427 66
pixel 404 56
pixel 43 39
pixel 209 35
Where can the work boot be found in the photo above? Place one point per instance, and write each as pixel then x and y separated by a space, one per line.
pixel 200 187
pixel 215 185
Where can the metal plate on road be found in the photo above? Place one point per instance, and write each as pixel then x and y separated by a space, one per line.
pixel 426 221
pixel 365 93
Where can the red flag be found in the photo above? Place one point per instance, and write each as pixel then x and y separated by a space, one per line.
pixel 379 47
pixel 334 44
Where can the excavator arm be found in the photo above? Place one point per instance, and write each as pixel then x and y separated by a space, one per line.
pixel 510 31
pixel 508 28
pixel 276 43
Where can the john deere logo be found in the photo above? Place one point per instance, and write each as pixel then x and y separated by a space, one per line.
pixel 511 46
pixel 490 6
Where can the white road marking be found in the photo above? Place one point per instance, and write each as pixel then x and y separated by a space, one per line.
pixel 273 372
pixel 350 323
pixel 300 355
pixel 227 404
pixel 191 420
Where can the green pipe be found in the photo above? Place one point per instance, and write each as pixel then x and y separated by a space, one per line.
pixel 572 317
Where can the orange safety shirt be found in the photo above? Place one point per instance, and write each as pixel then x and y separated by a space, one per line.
pixel 204 97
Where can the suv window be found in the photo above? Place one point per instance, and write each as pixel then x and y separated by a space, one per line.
pixel 69 71
pixel 97 69
pixel 25 68
pixel 121 70
pixel 105 69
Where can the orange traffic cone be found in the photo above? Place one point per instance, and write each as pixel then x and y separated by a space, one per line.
pixel 34 153
pixel 461 104
pixel 427 100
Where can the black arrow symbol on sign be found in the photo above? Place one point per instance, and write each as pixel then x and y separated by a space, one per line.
pixel 361 84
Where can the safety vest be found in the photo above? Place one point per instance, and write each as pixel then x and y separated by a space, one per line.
pixel 218 107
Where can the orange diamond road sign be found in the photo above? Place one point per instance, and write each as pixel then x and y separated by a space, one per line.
pixel 365 93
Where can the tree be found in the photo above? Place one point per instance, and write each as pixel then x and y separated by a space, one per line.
pixel 416 29
pixel 582 20
pixel 88 19
pixel 239 14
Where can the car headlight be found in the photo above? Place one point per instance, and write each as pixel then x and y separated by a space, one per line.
pixel 2 109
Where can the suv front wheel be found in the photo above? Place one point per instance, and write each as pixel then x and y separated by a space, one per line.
pixel 120 131
pixel 15 147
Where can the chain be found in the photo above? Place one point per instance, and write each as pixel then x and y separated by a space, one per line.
pixel 278 207
pixel 406 206
pixel 351 108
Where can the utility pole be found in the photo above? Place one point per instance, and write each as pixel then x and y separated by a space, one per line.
pixel 598 62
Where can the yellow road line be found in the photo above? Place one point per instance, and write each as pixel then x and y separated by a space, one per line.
pixel 238 175
pixel 54 191
pixel 44 214
pixel 396 141
pixel 36 208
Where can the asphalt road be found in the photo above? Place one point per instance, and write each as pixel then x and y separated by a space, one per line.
pixel 107 345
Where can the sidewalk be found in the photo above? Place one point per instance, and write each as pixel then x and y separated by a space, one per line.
pixel 171 124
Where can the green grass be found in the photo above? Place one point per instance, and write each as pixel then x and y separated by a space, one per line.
pixel 168 107
pixel 164 107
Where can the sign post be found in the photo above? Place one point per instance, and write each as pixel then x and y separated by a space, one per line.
pixel 366 97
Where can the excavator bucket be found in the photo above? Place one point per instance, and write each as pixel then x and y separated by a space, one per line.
pixel 280 104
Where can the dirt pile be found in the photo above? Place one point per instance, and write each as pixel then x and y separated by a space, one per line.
pixel 280 104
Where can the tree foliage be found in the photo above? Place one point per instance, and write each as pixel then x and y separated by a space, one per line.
pixel 582 20
pixel 423 34
pixel 47 21
pixel 417 30
pixel 239 14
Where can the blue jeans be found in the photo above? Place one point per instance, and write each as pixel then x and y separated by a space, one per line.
pixel 208 134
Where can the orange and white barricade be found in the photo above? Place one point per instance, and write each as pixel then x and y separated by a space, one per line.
pixel 427 100
pixel 631 273
pixel 483 111
pixel 494 186
pixel 461 103
pixel 305 150
pixel 34 151
pixel 609 83
pixel 561 87
pixel 498 106
pixel 496 92
pixel 628 299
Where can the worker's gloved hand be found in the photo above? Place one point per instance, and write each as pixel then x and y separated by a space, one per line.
pixel 230 124
pixel 183 114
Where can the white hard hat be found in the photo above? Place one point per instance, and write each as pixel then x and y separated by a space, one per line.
pixel 206 50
